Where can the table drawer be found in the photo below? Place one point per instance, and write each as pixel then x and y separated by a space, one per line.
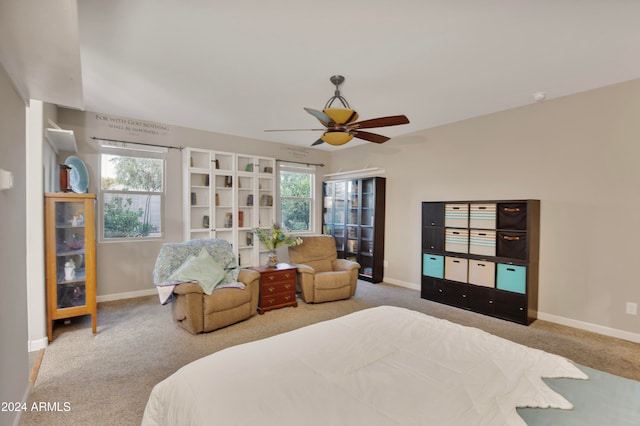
pixel 268 300
pixel 278 276
pixel 268 288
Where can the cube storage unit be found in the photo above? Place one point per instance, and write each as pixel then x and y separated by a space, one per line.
pixel 482 256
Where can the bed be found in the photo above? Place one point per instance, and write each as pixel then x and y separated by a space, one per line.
pixel 380 366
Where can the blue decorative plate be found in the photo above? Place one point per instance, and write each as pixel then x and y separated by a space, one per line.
pixel 78 175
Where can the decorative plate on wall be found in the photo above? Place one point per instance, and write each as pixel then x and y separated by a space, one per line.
pixel 78 176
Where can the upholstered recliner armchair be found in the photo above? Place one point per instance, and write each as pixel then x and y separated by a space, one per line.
pixel 322 277
pixel 191 307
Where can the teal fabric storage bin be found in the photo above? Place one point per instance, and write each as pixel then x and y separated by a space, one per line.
pixel 432 265
pixel 512 278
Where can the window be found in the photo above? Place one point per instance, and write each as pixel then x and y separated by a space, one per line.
pixel 132 191
pixel 296 197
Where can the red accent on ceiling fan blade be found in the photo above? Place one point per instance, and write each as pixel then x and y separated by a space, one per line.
pixel 393 120
pixel 368 136
pixel 321 116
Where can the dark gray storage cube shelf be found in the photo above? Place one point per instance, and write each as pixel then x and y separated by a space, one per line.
pixel 513 295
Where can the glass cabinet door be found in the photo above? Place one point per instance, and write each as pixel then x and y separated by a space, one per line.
pixel 70 250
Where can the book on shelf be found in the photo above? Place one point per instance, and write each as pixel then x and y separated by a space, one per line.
pixel 228 220
pixel 194 199
pixel 240 219
pixel 250 199
pixel 266 200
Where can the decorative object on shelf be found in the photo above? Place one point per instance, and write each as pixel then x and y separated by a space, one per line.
pixel 205 221
pixel 78 175
pixel 69 270
pixel 275 237
pixel 65 184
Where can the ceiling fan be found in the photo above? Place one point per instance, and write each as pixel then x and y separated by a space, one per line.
pixel 341 125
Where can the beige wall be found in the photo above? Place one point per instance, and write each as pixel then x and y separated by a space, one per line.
pixel 578 154
pixel 13 249
pixel 126 268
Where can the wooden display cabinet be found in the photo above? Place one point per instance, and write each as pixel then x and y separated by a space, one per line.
pixel 70 257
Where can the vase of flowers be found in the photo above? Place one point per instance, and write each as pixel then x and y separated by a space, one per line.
pixel 273 238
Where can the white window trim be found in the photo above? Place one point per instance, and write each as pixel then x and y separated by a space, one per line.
pixel 300 168
pixel 128 149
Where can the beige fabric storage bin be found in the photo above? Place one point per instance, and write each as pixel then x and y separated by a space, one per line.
pixel 455 269
pixel 482 273
pixel 482 216
pixel 482 242
pixel 456 240
pixel 456 215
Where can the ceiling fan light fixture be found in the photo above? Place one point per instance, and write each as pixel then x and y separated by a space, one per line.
pixel 336 138
pixel 341 115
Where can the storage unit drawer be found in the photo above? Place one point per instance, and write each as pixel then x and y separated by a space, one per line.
pixel 455 269
pixel 511 306
pixel 511 278
pixel 456 215
pixel 482 216
pixel 482 273
pixel 482 242
pixel 433 265
pixel 456 240
pixel 433 214
pixel 433 238
pixel 481 299
pixel 512 245
pixel 512 216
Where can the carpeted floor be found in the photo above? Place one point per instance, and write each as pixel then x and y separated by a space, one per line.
pixel 105 379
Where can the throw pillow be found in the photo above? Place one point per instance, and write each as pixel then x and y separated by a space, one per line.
pixel 203 269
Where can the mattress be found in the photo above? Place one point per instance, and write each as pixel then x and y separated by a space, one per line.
pixel 384 365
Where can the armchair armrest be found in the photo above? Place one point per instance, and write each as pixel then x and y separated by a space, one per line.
pixel 248 275
pixel 186 288
pixel 345 265
pixel 305 269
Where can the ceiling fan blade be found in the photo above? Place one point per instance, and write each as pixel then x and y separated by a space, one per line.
pixel 293 130
pixel 368 136
pixel 318 142
pixel 321 116
pixel 393 120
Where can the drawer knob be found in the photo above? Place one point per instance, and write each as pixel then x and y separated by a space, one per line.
pixel 271 289
pixel 271 277
pixel 287 286
pixel 270 301
pixel 287 275
pixel 440 290
pixel 287 297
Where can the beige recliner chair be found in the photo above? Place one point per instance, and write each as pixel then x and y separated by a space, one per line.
pixel 322 277
pixel 196 311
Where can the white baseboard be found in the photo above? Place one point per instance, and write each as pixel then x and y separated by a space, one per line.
pixel 600 329
pixel 36 345
pixel 126 295
pixel 607 331
pixel 399 283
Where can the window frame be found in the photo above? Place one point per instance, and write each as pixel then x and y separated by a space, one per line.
pixel 136 151
pixel 300 169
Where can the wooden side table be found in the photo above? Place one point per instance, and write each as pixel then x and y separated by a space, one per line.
pixel 277 287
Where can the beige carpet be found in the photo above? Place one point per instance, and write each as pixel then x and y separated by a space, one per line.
pixel 105 379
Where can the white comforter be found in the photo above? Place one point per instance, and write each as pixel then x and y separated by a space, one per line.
pixel 380 366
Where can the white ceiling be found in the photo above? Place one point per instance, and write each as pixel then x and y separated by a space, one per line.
pixel 245 66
